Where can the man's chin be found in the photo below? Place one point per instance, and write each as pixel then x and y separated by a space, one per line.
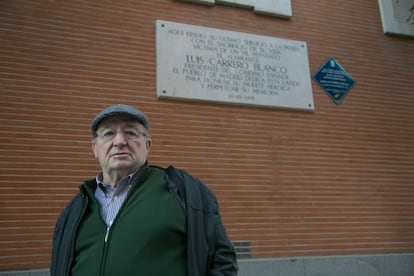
pixel 122 166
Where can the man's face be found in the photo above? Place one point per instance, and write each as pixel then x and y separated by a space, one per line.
pixel 121 146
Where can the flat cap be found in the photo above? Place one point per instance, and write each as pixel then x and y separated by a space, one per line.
pixel 119 109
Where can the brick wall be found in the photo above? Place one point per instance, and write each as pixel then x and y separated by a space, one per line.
pixel 336 181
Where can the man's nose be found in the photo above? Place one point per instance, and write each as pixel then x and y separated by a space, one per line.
pixel 120 138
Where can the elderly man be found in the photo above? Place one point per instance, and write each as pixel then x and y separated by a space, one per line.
pixel 136 219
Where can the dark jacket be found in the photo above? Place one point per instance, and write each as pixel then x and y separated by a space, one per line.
pixel 209 251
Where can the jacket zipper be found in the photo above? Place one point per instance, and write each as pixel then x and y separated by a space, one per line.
pixel 104 251
pixel 108 228
pixel 107 234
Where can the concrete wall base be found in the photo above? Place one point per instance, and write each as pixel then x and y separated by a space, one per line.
pixel 33 272
pixel 352 265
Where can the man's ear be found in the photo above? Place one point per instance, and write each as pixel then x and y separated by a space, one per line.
pixel 148 144
pixel 93 145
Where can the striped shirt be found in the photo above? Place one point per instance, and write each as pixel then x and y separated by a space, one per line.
pixel 110 199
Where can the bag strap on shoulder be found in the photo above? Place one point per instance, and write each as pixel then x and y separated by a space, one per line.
pixel 177 178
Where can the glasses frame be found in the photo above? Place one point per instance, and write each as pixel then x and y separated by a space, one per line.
pixel 129 134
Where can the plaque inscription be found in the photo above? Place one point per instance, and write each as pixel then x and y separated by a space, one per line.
pixel 205 64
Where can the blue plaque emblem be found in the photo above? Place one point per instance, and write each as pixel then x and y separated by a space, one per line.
pixel 334 80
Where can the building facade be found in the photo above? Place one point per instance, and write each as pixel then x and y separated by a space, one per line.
pixel 328 191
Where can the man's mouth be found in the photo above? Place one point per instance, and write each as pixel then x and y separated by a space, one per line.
pixel 119 154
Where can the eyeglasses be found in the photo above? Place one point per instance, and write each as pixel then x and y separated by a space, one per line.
pixel 129 134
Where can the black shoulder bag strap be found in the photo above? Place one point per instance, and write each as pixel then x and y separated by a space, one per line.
pixel 176 181
pixel 177 178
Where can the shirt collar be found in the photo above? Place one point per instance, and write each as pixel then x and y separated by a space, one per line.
pixel 123 181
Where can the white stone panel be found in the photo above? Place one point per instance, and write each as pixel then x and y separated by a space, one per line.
pixel 280 8
pixel 205 64
pixel 396 17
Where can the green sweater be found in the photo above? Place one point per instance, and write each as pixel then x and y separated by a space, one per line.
pixel 148 236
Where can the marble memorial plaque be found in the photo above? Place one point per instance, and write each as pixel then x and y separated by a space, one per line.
pixel 205 64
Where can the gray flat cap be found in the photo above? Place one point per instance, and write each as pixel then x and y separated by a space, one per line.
pixel 119 109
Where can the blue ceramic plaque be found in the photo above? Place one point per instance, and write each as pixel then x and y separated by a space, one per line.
pixel 334 80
